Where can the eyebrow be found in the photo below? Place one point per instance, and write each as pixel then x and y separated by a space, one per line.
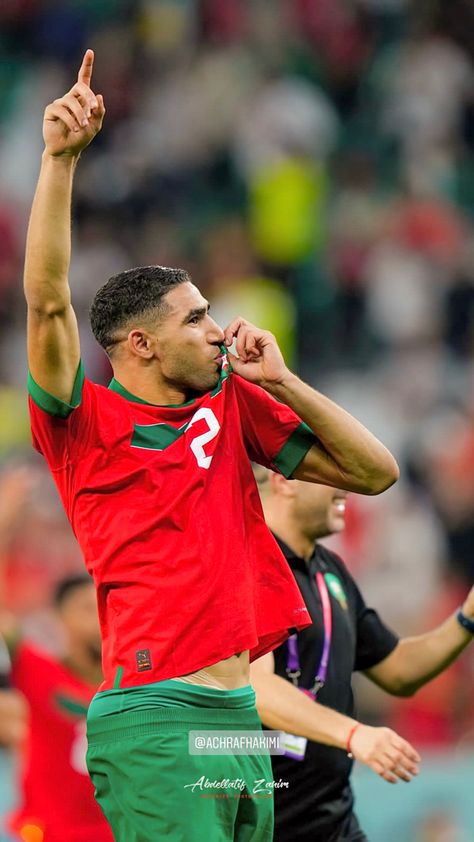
pixel 196 311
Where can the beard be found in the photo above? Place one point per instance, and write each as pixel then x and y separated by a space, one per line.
pixel 193 380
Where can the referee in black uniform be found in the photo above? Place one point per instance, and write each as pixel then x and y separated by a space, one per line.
pixel 304 687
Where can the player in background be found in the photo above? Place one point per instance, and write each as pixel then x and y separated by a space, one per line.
pixel 318 803
pixel 155 476
pixel 56 797
pixel 13 707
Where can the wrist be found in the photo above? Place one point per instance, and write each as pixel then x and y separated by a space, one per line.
pixel 465 620
pixel 64 159
pixel 280 387
pixel 348 745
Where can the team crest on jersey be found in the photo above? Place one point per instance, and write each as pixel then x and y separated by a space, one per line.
pixel 336 589
pixel 143 659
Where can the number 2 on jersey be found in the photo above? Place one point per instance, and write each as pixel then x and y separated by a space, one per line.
pixel 197 444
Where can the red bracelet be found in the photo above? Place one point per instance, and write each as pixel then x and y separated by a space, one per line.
pixel 349 739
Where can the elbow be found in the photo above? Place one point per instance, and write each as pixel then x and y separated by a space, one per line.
pixel 405 692
pixel 408 691
pixel 385 476
pixel 47 300
pixel 402 689
pixel 46 310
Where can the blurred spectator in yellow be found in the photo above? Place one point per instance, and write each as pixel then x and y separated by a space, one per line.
pixel 235 284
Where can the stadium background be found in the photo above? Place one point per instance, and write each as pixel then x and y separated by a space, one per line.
pixel 311 162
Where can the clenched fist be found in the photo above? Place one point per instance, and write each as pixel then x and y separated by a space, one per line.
pixel 73 120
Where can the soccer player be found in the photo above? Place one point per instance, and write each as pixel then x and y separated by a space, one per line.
pixel 13 708
pixel 56 795
pixel 155 475
pixel 346 635
pixel 43 711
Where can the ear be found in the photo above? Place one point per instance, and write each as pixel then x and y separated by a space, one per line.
pixel 141 344
pixel 282 486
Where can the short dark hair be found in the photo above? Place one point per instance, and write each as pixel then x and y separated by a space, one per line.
pixel 66 586
pixel 132 294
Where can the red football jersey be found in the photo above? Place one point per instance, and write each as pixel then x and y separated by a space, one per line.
pixel 57 793
pixel 165 507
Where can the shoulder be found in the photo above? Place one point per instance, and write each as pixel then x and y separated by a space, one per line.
pixel 84 395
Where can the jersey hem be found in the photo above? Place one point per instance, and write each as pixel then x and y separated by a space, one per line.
pixel 53 405
pixel 294 450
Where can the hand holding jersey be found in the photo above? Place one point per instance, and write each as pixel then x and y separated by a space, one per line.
pixel 344 455
pixel 259 358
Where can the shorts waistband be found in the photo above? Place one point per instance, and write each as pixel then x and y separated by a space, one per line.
pixel 169 693
pixel 140 723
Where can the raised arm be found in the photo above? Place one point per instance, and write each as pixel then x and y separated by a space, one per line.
pixel 70 123
pixel 346 455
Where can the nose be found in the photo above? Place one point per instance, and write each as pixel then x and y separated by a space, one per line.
pixel 216 334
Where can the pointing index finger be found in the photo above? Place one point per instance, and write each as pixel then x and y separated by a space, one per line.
pixel 85 71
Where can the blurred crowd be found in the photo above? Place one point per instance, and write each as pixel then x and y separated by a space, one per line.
pixel 311 163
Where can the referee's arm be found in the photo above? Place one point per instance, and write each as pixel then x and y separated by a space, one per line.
pixel 283 707
pixel 417 660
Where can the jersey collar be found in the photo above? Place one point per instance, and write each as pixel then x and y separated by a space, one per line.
pixel 115 386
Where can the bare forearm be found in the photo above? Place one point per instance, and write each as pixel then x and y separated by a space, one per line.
pixel 416 660
pixel 424 657
pixel 285 708
pixel 48 245
pixel 352 457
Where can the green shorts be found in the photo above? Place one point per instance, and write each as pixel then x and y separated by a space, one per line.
pixel 151 788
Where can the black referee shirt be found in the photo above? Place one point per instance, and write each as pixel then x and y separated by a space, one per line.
pixel 318 802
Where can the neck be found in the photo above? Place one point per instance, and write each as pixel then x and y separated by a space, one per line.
pixel 291 535
pixel 84 664
pixel 148 385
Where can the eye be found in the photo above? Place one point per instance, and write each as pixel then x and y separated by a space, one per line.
pixel 194 320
